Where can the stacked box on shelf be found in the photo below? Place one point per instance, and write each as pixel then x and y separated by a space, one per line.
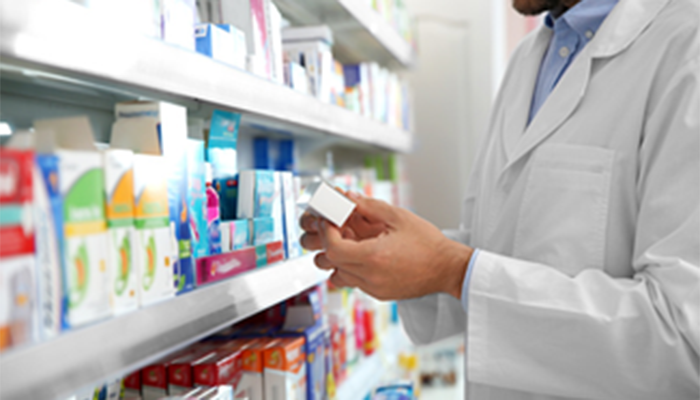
pixel 311 47
pixel 81 176
pixel 168 123
pixel 48 217
pixel 121 234
pixel 285 369
pixel 155 246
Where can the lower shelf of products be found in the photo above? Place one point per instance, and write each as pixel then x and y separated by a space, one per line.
pixel 116 346
pixel 371 371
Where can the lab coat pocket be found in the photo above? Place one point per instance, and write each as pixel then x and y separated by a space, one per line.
pixel 563 215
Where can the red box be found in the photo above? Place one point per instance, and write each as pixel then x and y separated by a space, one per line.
pixel 133 381
pixel 224 367
pixel 275 252
pixel 180 376
pixel 222 266
pixel 16 168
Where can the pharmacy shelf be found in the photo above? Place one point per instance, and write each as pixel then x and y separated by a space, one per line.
pixel 112 348
pixel 375 369
pixel 61 40
pixel 360 33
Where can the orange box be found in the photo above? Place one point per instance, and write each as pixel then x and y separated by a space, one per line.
pixel 251 385
pixel 285 369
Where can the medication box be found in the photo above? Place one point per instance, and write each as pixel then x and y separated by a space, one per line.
pixel 17 276
pixel 223 367
pixel 166 124
pixel 197 198
pixel 327 202
pixel 263 230
pixel 290 218
pixel 215 42
pixel 225 227
pixel 240 50
pixel 48 217
pixel 315 348
pixel 119 188
pixel 180 373
pixel 256 193
pixel 251 383
pixel 240 234
pixel 81 173
pixel 222 266
pixel 155 243
pixel 285 369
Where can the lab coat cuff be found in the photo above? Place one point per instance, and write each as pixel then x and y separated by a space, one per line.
pixel 467 278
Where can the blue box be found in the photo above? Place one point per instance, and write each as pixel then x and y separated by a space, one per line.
pixel 227 189
pixel 263 230
pixel 240 234
pixel 215 42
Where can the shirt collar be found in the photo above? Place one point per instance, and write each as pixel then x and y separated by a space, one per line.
pixel 586 16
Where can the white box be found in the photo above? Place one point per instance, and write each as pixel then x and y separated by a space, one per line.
pixel 327 202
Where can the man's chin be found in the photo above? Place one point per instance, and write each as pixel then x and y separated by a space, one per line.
pixel 534 7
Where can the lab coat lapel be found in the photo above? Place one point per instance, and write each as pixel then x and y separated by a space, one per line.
pixel 556 109
pixel 517 102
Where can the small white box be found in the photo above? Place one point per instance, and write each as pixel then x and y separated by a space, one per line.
pixel 327 202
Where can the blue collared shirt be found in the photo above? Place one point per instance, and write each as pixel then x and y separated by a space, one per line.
pixel 571 32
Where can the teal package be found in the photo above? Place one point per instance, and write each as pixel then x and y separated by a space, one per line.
pixel 263 231
pixel 264 193
pixel 261 255
pixel 197 198
pixel 222 144
pixel 240 234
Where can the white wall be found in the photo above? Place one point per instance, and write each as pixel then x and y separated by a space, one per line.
pixel 462 50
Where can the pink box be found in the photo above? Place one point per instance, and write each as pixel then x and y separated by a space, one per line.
pixel 222 266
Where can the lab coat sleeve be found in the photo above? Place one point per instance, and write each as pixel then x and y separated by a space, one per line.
pixel 535 329
pixel 437 316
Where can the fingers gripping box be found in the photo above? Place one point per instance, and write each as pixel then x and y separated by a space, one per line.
pixel 327 202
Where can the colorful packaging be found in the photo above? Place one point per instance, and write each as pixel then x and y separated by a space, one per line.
pixel 180 372
pixel 292 231
pixel 215 42
pixel 256 194
pixel 263 230
pixel 315 349
pixel 285 369
pixel 240 234
pixel 121 235
pixel 222 142
pixel 88 284
pixel 48 217
pixel 223 367
pixel 18 313
pixel 213 215
pixel 251 383
pixel 197 198
pixel 221 266
pixel 132 384
pixel 155 242
pixel 227 189
pixel 81 173
pixel 167 124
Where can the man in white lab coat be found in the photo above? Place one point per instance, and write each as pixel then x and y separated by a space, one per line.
pixel 576 271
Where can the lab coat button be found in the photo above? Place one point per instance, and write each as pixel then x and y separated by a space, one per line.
pixel 564 52
pixel 589 34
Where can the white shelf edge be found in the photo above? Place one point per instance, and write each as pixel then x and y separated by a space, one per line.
pixel 116 346
pixel 66 39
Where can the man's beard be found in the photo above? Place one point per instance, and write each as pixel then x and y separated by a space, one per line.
pixel 534 7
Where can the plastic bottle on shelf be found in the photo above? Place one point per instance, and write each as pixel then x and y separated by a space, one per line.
pixel 213 213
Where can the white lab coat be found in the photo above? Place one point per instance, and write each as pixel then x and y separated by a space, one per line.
pixel 588 282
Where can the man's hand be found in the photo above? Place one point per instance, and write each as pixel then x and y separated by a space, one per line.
pixel 388 252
